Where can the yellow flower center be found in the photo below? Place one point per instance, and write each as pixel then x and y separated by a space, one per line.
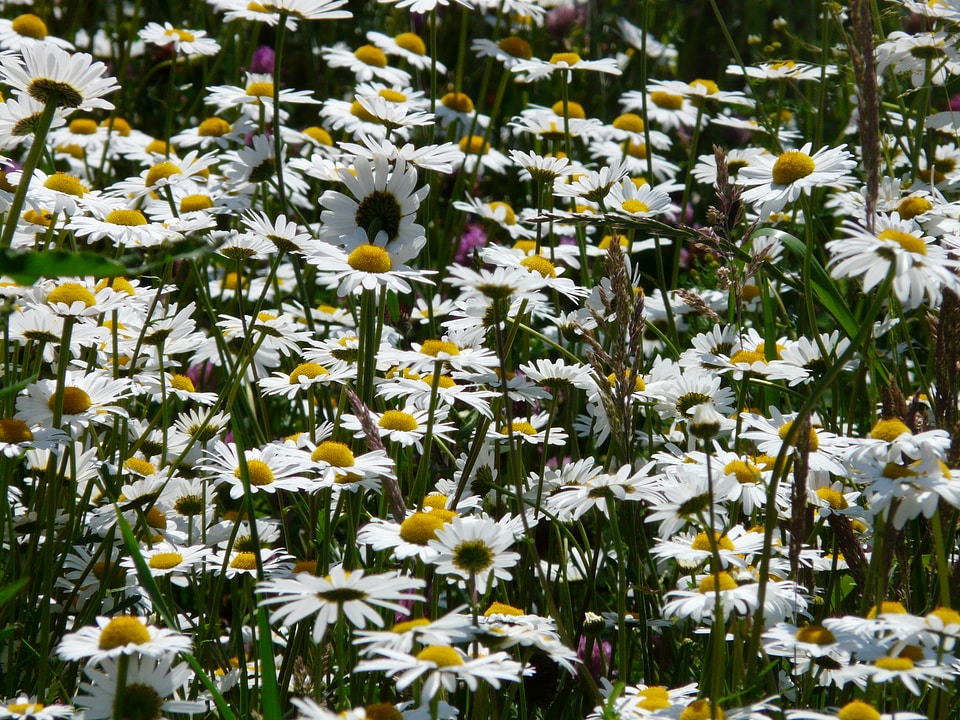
pixel 570 58
pixel 370 259
pixel 897 664
pixel 499 608
pixel 639 384
pixel 509 217
pixel 382 711
pixel 13 430
pixel 858 710
pixel 654 698
pixel 702 542
pixel 26 710
pixel 523 427
pixel 474 145
pixel 709 85
pixel 118 125
pixel 407 625
pixel 123 630
pixel 792 166
pixel 630 122
pixel 181 35
pixel 458 102
pixel 67 184
pixel 946 615
pixel 574 109
pixel 260 89
pixel 358 110
pixel 214 127
pixel 308 370
pixel 444 381
pixel 539 264
pixel 165 561
pixel 433 348
pixel 700 710
pixel 182 382
pixel 318 135
pixel 815 635
pixel 607 239
pixel 709 583
pixel 421 527
pixel 665 100
pixel 336 454
pixel 83 126
pixel 636 150
pixel 160 171
pixel 392 95
pixel 889 429
pixel 440 655
pixel 75 401
pixel 411 42
pixel 156 147
pixel 746 473
pixel 887 606
pixel 139 466
pixel 398 420
pixel 245 560
pixel 438 502
pixel 29 25
pixel 910 243
pixel 258 471
pixel 783 65
pixel 635 206
pixel 814 438
pixel 118 285
pixel 371 55
pixel 748 357
pixel 195 203
pixel 69 293
pixel 516 47
pixel 73 150
pixel 893 471
pixel 833 498
pixel 129 218
pixel 910 207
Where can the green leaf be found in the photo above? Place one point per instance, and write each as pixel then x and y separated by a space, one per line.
pixel 12 589
pixel 27 267
pixel 13 390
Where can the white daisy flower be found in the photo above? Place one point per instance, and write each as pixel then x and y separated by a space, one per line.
pixel 26 30
pixel 269 469
pixel 151 682
pixel 120 635
pixel 536 69
pixel 49 73
pixel 189 42
pixel 85 398
pixel 368 62
pixel 475 549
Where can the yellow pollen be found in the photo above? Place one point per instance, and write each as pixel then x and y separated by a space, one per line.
pixel 574 109
pixel 308 370
pixel 834 499
pixel 358 110
pixel 474 145
pixel 814 438
pixel 318 135
pixel 666 100
pixel 654 698
pixel 129 218
pixel 607 239
pixel 893 471
pixel 244 561
pixel 260 89
pixel 123 630
pixel 382 711
pixel 139 466
pixel 160 171
pixel 750 292
pixel 371 55
pixel 408 625
pixel 182 383
pixel 69 293
pixel 522 426
pixel 156 147
pixel 195 203
pixel 231 281
pixel 433 348
pixel 539 264
pixel 911 207
pixel 709 583
pixel 746 473
pixel 156 519
pixel 181 35
pixel 256 7
pixel 516 47
pixel 889 429
pixel 436 501
pixel 709 85
pixel 336 454
pixel 259 472
pixel 165 561
pixel 13 431
pixel 29 25
pixel 444 381
pixel 27 710
pixel 894 663
pixel 815 635
pixel 83 126
pixel 411 42
pixel 792 166
pixel 118 285
pixel 421 527
pixel 912 652
pixel 458 102
pixel 748 357
pixel 630 122
pixel 370 259
pixel 510 217
pixel 570 58
pixel 499 608
pixel 73 150
pixel 214 127
pixel 945 615
pixel 639 384
pixel 67 184
pixel 858 710
pixel 887 606
pixel 702 542
pixel 307 566
pixel 910 243
pixel 700 710
pixel 525 246
pixel 635 206
pixel 440 655
pixel 783 65
pixel 637 150
pixel 398 420
pixel 392 95
pixel 118 125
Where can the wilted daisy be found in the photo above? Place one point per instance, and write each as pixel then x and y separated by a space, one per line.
pixel 120 635
pixel 476 550
pixel 350 594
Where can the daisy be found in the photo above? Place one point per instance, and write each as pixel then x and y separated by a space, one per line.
pixel 478 152
pixel 825 447
pixel 407 46
pixel 123 226
pixel 418 391
pixel 255 97
pixel 50 74
pixel 854 709
pixel 536 69
pixel 309 9
pixel 444 667
pixel 367 62
pixel 18 120
pixel 151 682
pixel 239 563
pixel 336 464
pixel 269 469
pixel 476 550
pixel 120 635
pixel 668 109
pixel 343 593
pixel 409 538
pixel 572 500
pixel 190 42
pixel 27 30
pixel 929 57
pixel 406 427
pixel 783 70
pixel 166 559
pixel 921 267
pixel 29 709
pixel 304 376
pixel 440 158
pixel 772 182
pixel 85 398
pixel 626 199
pixel 454 627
